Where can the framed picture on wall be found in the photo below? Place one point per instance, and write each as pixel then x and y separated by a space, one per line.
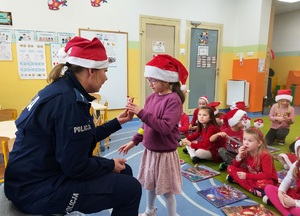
pixel 5 18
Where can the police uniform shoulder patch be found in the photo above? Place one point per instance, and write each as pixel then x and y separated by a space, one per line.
pixel 80 97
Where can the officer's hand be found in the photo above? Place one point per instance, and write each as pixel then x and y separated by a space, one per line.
pixel 119 164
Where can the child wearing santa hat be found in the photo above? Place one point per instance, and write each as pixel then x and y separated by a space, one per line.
pixel 285 198
pixel 281 116
pixel 231 137
pixel 202 102
pixel 198 144
pixel 51 169
pixel 159 171
pixel 238 105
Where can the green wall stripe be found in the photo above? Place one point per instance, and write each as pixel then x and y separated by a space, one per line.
pixel 250 48
pixel 133 44
pixel 292 53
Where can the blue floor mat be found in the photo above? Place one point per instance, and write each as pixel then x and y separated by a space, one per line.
pixel 188 203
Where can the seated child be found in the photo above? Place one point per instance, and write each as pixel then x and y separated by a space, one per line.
pixel 285 198
pixel 281 116
pixel 231 137
pixel 202 101
pixel 203 148
pixel 260 170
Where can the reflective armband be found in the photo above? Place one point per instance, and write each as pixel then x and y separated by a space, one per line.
pixel 140 131
pixel 297 202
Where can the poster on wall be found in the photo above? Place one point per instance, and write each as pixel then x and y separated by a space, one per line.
pixel 31 60
pixel 46 37
pixel 63 38
pixel 55 58
pixel 158 46
pixel 5 51
pixel 6 35
pixel 24 35
pixel 5 18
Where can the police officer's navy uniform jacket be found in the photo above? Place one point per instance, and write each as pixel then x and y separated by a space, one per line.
pixel 52 156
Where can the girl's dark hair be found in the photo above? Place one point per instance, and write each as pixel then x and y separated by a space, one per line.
pixel 56 72
pixel 211 116
pixel 175 87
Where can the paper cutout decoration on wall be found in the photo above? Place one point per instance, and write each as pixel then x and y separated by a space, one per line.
pixel 55 4
pixel 97 3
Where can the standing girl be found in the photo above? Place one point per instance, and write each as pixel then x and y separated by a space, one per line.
pixel 281 117
pixel 259 170
pixel 286 198
pixel 159 171
pixel 203 148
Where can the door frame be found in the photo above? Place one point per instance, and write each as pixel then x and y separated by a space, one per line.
pixel 210 26
pixel 144 20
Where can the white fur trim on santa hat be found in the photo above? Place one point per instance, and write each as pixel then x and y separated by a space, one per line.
pixel 158 73
pixel 88 63
pixel 286 160
pixel 285 97
pixel 204 98
pixel 236 117
pixel 297 144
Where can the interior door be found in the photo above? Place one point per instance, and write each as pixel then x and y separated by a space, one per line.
pixel 158 36
pixel 203 64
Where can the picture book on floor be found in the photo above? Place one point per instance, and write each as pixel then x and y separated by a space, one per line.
pixel 199 173
pixel 260 210
pixel 273 149
pixel 281 174
pixel 182 161
pixel 222 195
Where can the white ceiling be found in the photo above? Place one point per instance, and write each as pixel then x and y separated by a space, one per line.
pixel 284 7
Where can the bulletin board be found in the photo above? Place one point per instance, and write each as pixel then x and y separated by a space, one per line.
pixel 114 90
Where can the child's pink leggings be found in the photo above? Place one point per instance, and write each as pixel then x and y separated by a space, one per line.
pixel 272 193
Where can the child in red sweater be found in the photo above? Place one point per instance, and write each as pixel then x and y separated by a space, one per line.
pixel 198 145
pixel 258 169
pixel 202 101
pixel 231 137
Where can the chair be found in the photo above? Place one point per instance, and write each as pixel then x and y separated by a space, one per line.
pixel 6 147
pixel 8 114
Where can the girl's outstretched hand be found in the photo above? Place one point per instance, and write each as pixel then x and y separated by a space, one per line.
pixel 126 147
pixel 133 108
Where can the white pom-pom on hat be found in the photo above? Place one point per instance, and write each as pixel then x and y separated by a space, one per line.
pixel 62 53
pixel 183 88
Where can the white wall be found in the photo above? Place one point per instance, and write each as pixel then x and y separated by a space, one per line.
pixel 286 34
pixel 241 18
pixel 252 22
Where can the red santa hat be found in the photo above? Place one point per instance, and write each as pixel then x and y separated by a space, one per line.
pixel 258 123
pixel 234 116
pixel 285 94
pixel 85 53
pixel 238 105
pixel 204 97
pixel 214 105
pixel 166 68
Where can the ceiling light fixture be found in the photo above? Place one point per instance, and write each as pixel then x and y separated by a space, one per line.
pixel 289 1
